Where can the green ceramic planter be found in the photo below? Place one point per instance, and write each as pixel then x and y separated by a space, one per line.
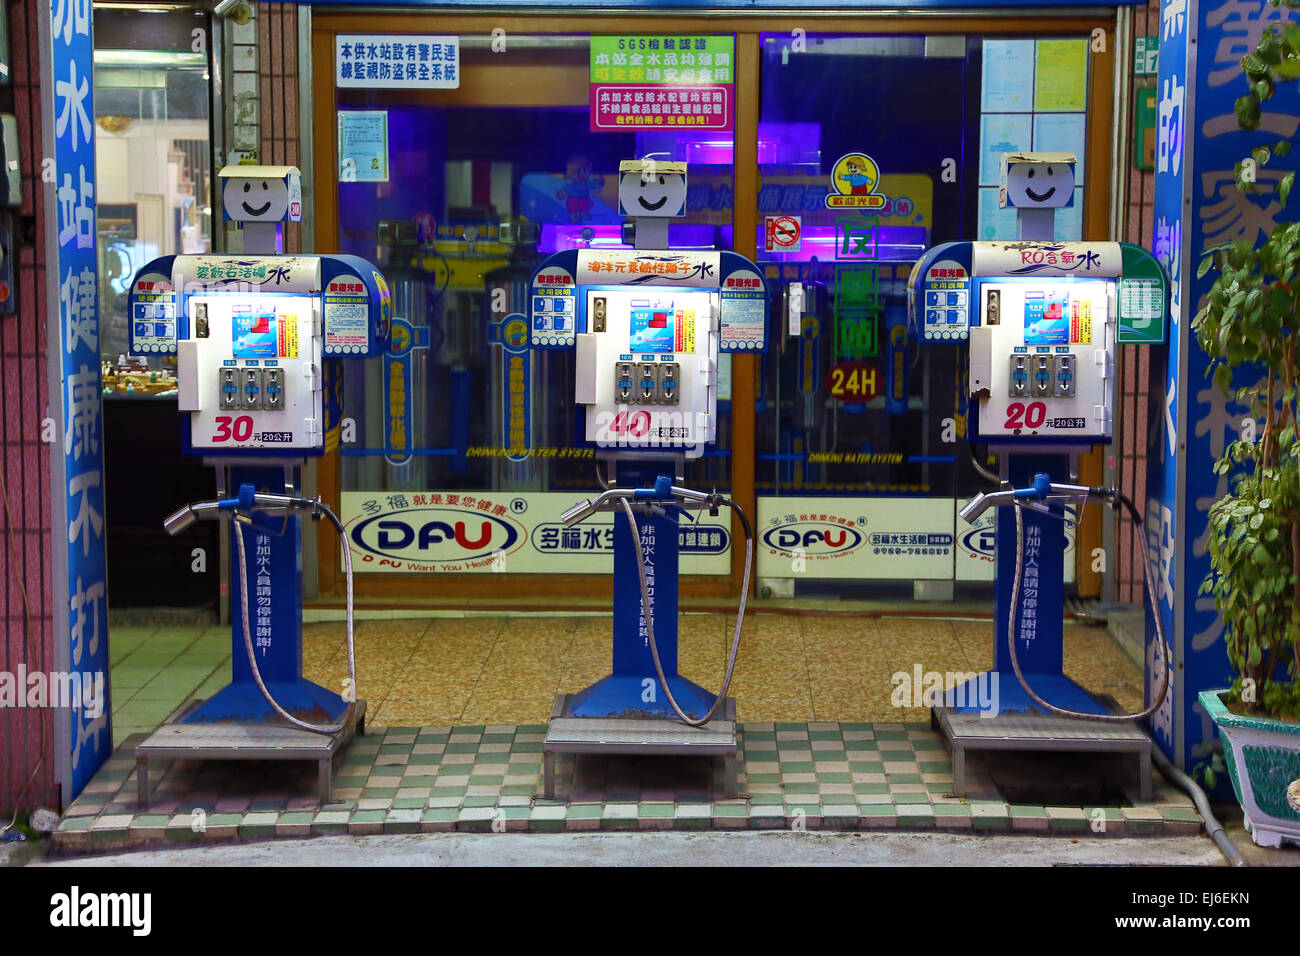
pixel 1268 751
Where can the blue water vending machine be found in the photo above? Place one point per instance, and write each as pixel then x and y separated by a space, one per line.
pixel 1041 321
pixel 647 325
pixel 251 335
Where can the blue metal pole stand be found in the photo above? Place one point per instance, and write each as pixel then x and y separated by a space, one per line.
pixel 1039 616
pixel 274 552
pixel 633 689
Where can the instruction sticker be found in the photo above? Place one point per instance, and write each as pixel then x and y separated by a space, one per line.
pixel 685 330
pixel 288 337
pixel 346 325
pixel 1081 322
pixel 742 320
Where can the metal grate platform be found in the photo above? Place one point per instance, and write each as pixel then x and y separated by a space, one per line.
pixel 645 736
pixel 242 741
pixel 1029 732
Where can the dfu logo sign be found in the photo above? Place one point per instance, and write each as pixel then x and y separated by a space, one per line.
pixel 426 536
pixel 815 538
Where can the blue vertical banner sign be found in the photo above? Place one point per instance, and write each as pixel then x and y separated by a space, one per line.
pixel 1198 207
pixel 84 734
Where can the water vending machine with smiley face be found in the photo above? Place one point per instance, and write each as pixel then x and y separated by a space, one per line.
pixel 647 325
pixel 252 335
pixel 1041 321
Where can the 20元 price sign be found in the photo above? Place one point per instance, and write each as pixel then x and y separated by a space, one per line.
pixel 657 82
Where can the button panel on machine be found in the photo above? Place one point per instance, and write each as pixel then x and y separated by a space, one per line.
pixel 1042 358
pixel 646 367
pixel 248 370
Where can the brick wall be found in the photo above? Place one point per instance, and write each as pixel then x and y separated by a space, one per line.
pixel 1135 434
pixel 25 546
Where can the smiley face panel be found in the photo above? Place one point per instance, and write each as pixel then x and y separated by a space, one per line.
pixel 652 193
pixel 1046 185
pixel 256 199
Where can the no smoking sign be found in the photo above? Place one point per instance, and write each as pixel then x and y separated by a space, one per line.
pixel 782 233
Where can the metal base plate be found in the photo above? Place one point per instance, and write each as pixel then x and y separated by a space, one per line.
pixel 1030 732
pixel 622 735
pixel 231 740
pixel 647 736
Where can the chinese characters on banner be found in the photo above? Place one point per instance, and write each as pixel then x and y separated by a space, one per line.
pixel 262 591
pixel 397 62
pixel 657 82
pixel 80 473
pixel 1029 587
pixel 1198 142
pixel 648 558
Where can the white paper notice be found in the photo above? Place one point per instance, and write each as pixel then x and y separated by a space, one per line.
pixel 1008 80
pixel 363 146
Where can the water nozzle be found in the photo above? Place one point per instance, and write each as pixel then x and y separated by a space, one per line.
pixel 176 523
pixel 583 509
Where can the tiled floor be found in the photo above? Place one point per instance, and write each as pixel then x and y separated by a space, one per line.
pixel 507 670
pixel 410 779
pixel 156 669
pixel 457 712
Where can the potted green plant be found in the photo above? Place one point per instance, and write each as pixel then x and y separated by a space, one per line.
pixel 1251 320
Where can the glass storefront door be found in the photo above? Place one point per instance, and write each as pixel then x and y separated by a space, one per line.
pixel 457 195
pixel 851 153
pixel 871 150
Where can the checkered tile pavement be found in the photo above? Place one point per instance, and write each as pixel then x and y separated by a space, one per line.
pixel 840 776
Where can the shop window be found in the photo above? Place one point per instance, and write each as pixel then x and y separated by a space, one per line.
pixel 1048 115
pixel 871 150
pixel 457 195
pixel 153 167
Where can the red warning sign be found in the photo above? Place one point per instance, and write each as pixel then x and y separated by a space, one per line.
pixel 783 233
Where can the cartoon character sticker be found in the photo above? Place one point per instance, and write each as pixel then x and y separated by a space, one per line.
pixel 579 184
pixel 854 179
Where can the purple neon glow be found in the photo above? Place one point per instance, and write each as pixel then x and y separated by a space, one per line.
pixel 559 236
pixel 894 243
pixel 779 144
pixel 789 144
